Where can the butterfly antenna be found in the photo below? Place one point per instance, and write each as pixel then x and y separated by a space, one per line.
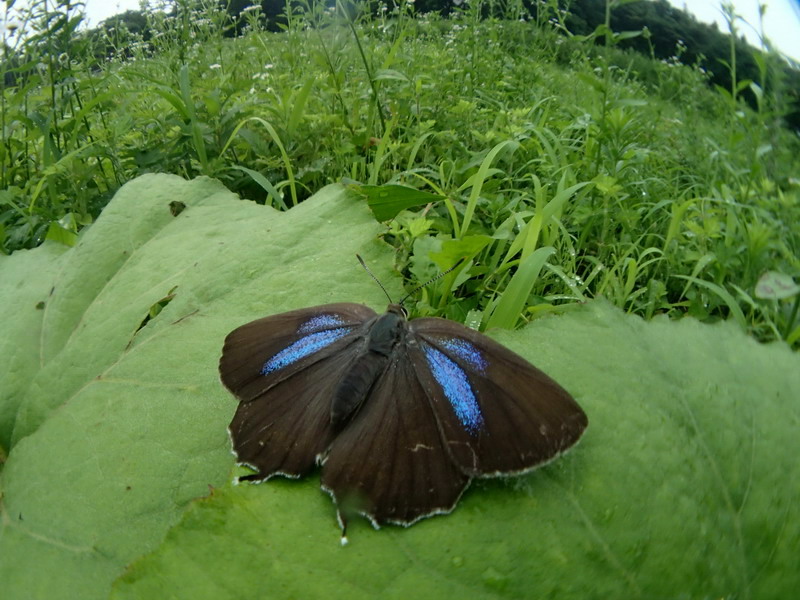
pixel 371 274
pixel 430 281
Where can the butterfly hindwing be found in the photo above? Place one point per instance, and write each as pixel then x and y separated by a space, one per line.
pixel 390 463
pixel 497 412
pixel 284 369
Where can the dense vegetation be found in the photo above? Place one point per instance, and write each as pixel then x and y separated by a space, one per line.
pixel 569 166
pixel 653 28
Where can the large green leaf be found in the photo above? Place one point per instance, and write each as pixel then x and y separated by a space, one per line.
pixel 25 285
pixel 685 484
pixel 113 431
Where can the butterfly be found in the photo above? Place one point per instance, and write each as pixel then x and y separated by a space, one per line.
pixel 400 415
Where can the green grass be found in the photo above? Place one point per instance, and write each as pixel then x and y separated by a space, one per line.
pixel 568 171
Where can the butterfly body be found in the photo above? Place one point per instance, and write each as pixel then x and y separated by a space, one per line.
pixel 381 335
pixel 401 415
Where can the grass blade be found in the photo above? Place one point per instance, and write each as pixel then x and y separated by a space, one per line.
pixel 480 177
pixel 724 295
pixel 507 311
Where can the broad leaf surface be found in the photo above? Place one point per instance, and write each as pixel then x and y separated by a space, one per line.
pixel 685 484
pixel 112 431
pixel 25 285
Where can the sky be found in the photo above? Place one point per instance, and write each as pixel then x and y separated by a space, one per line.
pixel 781 22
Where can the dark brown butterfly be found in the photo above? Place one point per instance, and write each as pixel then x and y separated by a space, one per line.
pixel 401 415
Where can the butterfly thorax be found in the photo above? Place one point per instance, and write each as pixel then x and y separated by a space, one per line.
pixel 357 381
pixel 386 331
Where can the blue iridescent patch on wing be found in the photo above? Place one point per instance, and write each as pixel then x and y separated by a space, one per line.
pixel 456 388
pixel 466 352
pixel 319 322
pixel 319 332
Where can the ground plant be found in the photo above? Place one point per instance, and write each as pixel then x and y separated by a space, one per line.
pixel 608 214
pixel 560 167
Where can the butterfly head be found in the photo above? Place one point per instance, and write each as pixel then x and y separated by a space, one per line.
pixel 398 309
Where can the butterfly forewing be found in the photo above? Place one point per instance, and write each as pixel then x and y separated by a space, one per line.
pixel 497 412
pixel 249 348
pixel 284 369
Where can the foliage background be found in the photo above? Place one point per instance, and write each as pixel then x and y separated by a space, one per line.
pixel 641 222
pixel 638 183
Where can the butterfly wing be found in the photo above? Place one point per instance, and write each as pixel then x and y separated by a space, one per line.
pixel 449 405
pixel 284 370
pixel 390 463
pixel 498 414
